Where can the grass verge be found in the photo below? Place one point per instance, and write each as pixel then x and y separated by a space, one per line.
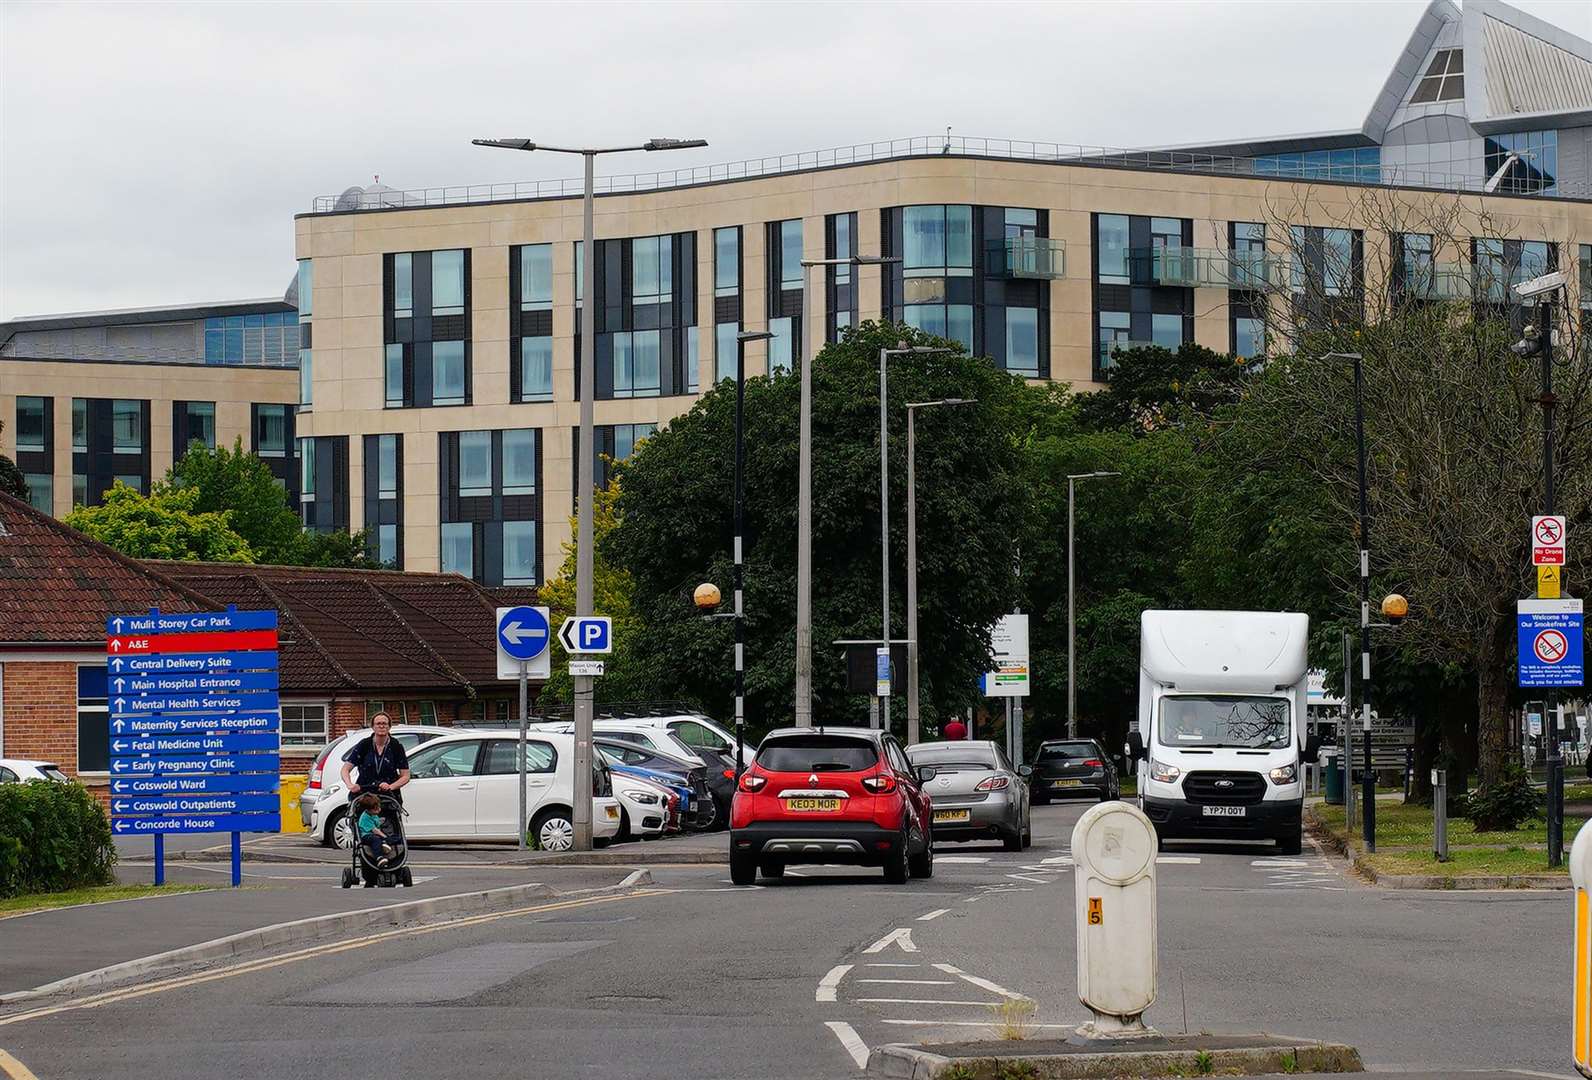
pixel 1405 839
pixel 100 894
pixel 1464 862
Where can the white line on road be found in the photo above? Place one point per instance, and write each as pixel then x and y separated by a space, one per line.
pixel 1177 860
pixel 826 985
pixel 967 1023
pixel 850 1040
pixel 892 965
pixel 924 1001
pixel 962 858
pixel 935 914
pixel 1065 860
pixel 1289 863
pixel 901 937
pixel 911 982
pixel 982 984
pixel 1033 880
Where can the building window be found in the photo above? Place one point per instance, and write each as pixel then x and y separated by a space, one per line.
pixel 79 423
pixel 725 344
pixel 519 553
pixel 627 436
pixel 693 360
pixel 387 466
pixel 1249 255
pixel 1419 275
pixel 1022 341
pixel 843 248
pixel 1115 329
pixel 394 378
pixel 447 283
pixel 130 480
pixel 1111 248
pixel 1535 169
pixel 387 545
pixel 637 368
pixel 780 345
pixel 1586 287
pixel 31 423
pixel 937 241
pixel 536 277
pixel 536 369
pixel 93 720
pixel 1324 261
pixel 1444 79
pixel 79 490
pixel 447 373
pixel 475 463
pixel 1361 165
pixel 199 417
pixel 519 461
pixel 127 426
pixel 651 269
pixel 306 379
pixel 403 286
pixel 1249 337
pixel 306 288
pixel 304 450
pixel 1167 331
pixel 458 548
pixel 270 436
pixel 790 254
pixel 726 261
pixel 303 725
pixel 41 491
pixel 270 338
pixel 954 322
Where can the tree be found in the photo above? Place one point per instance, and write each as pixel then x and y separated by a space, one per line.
pixel 11 479
pixel 165 524
pixel 677 525
pixel 613 591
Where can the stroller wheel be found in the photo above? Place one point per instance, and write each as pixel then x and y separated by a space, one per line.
pixel 348 877
pixel 406 878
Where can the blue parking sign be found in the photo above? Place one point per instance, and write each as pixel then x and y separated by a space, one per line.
pixel 1550 642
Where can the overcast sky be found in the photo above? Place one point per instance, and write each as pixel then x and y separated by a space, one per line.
pixel 155 154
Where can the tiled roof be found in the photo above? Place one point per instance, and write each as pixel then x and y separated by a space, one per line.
pixel 57 586
pixel 377 630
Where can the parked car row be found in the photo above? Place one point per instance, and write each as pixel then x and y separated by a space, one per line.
pixel 17 770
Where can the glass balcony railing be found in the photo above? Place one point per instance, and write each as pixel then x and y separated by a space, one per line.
pixel 1030 257
pixel 1443 281
pixel 1209 268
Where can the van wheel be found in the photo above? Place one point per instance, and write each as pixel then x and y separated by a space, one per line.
pixel 895 863
pixel 1290 845
pixel 743 869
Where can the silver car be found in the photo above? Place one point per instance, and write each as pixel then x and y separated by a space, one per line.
pixel 976 792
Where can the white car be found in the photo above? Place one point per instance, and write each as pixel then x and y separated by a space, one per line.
pixel 16 770
pixel 464 786
pixel 689 730
pixel 326 793
pixel 644 807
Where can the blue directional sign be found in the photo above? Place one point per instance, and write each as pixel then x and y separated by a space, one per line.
pixel 204 622
pixel 178 683
pixel 198 823
pixel 1550 643
pixel 166 805
pixel 161 764
pixel 523 632
pixel 230 743
pixel 144 704
pixel 587 634
pixel 188 723
pixel 193 785
pixel 193 663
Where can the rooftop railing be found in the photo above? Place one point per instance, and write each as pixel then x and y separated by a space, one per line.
pixel 381 198
pixel 51 350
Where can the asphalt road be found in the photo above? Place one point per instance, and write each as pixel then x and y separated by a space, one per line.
pixel 698 979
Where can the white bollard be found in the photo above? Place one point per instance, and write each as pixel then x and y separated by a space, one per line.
pixel 1581 1022
pixel 1113 854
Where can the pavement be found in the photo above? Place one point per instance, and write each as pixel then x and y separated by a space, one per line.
pixel 799 979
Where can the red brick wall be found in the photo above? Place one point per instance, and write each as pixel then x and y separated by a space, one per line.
pixel 40 702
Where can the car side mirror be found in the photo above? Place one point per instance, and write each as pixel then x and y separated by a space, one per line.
pixel 1134 746
pixel 926 773
pixel 1025 771
pixel 1312 749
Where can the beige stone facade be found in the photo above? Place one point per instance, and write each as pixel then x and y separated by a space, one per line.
pixel 347 250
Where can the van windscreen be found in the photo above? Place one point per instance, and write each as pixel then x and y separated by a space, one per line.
pixel 817 754
pixel 1245 723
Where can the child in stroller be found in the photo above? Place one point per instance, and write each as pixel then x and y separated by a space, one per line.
pixel 380 855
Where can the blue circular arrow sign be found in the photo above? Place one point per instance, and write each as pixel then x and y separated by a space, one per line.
pixel 523 633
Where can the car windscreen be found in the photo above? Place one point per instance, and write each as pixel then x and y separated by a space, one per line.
pixel 1245 723
pixel 952 757
pixel 54 774
pixel 817 754
pixel 1068 751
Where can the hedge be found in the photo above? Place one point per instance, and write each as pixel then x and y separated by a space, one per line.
pixel 53 836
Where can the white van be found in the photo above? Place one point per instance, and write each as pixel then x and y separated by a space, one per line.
pixel 1221 740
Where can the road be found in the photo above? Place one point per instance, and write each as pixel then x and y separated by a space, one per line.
pixel 695 978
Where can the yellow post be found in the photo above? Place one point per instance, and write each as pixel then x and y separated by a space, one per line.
pixel 1581 1023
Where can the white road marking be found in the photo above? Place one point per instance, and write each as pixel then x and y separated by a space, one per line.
pixel 933 914
pixel 1033 880
pixel 901 937
pixel 850 1040
pixel 795 873
pixel 1065 860
pixel 893 965
pixel 961 858
pixel 911 982
pixel 1292 863
pixel 982 984
pixel 923 1001
pixel 1177 860
pixel 967 1023
pixel 827 985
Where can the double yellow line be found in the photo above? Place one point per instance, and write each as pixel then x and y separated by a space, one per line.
pixel 179 982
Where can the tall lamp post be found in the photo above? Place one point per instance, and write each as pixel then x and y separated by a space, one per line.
pixel 804 490
pixel 913 715
pixel 583 529
pixel 1072 607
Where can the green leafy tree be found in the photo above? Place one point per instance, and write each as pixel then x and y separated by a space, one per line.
pixel 11 480
pixel 165 524
pixel 677 526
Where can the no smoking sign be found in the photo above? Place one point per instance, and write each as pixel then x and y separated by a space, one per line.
pixel 1550 643
pixel 1547 540
pixel 1551 647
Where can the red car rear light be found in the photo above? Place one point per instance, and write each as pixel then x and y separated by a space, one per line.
pixel 751 782
pixel 994 783
pixel 879 785
pixel 1094 763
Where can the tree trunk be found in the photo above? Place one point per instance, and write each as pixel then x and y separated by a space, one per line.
pixel 1493 690
pixel 1428 727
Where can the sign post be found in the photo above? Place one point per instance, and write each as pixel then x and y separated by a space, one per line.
pixel 195 726
pixel 1008 641
pixel 523 635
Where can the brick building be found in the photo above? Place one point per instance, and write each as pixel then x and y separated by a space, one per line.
pixel 352 641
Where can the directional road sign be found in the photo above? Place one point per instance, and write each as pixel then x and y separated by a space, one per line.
pixel 1547 540
pixel 198 823
pixel 260 660
pixel 179 683
pixel 1550 643
pixel 523 636
pixel 586 667
pixel 189 723
pixel 166 805
pixel 161 764
pixel 192 785
pixel 587 634
pixel 144 704
pixel 137 745
pixel 201 622
pixel 218 641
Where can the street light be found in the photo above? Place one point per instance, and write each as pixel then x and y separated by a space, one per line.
pixel 884 501
pixel 912 558
pixel 583 528
pixel 804 492
pixel 1072 607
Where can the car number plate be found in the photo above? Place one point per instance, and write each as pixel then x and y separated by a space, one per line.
pixel 812 806
pixel 1224 811
pixel 1066 783
pixel 953 815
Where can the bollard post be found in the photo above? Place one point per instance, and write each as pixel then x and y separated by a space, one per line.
pixel 1113 852
pixel 1440 811
pixel 1581 991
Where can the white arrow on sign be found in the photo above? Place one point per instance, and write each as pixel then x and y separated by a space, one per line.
pixel 121 806
pixel 118 725
pixel 116 646
pixel 569 633
pixel 119 703
pixel 121 684
pixel 118 624
pixel 122 826
pixel 516 632
pixel 118 745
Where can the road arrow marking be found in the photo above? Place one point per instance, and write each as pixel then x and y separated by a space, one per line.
pixel 901 937
pixel 828 984
pixel 850 1040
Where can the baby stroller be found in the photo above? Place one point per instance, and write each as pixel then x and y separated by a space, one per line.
pixel 364 867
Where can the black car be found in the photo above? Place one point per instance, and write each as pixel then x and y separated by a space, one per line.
pixel 1065 767
pixel 721 781
pixel 708 812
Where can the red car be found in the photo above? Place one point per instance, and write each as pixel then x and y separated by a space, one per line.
pixel 831 795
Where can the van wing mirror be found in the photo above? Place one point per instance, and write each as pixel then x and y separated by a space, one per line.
pixel 1134 746
pixel 1312 748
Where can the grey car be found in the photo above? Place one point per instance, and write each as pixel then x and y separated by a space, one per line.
pixel 976 792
